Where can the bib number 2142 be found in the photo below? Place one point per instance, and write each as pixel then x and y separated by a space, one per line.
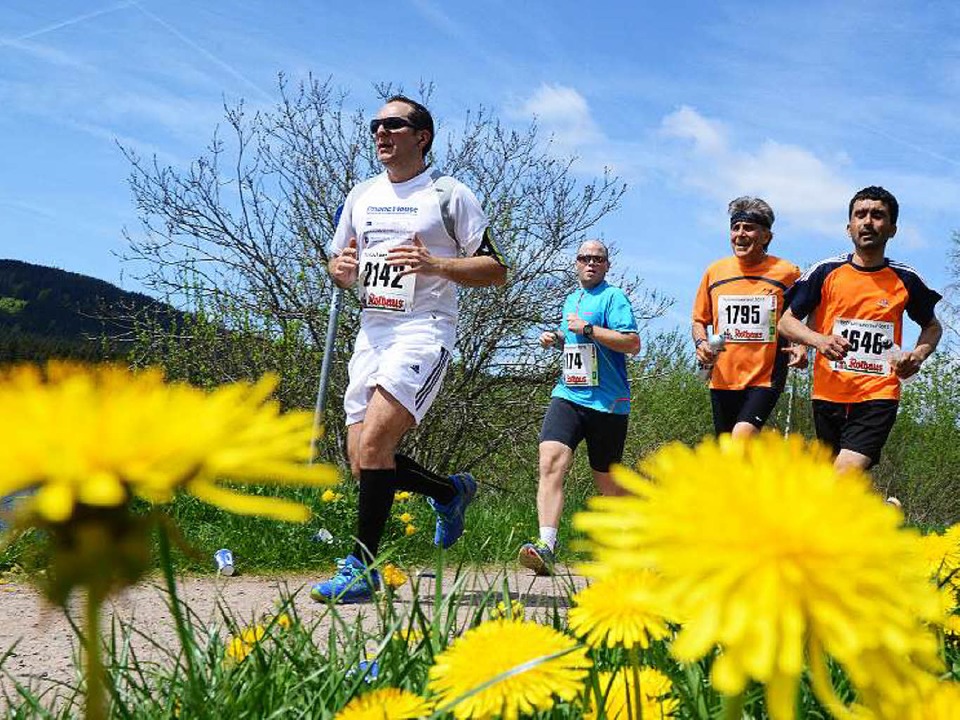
pixel 382 287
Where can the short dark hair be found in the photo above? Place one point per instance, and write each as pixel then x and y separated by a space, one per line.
pixel 419 116
pixel 875 192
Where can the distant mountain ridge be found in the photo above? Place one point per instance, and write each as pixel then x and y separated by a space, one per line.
pixel 47 312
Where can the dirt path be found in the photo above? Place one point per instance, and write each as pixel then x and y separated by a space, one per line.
pixel 41 646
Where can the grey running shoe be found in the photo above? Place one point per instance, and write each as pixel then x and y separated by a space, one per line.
pixel 537 556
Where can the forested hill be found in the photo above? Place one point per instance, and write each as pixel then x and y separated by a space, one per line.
pixel 46 312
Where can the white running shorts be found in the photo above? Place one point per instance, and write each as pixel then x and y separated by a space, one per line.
pixel 411 373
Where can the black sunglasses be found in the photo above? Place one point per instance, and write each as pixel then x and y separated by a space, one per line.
pixel 390 123
pixel 595 259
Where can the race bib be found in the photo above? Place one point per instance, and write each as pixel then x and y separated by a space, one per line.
pixel 868 341
pixel 381 286
pixel 580 365
pixel 747 318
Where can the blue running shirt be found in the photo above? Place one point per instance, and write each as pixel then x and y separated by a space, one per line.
pixel 602 306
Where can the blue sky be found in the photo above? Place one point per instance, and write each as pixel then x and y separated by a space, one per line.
pixel 691 103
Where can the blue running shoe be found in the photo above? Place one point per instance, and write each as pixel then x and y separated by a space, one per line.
pixel 352 582
pixel 450 517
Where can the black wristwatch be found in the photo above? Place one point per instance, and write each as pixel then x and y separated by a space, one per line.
pixel 588 330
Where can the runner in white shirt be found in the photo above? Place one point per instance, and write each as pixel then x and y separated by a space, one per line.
pixel 406 238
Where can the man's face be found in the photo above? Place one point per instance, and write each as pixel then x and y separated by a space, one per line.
pixel 870 226
pixel 749 241
pixel 592 264
pixel 401 146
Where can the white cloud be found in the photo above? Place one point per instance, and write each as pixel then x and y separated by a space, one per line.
pixel 795 181
pixel 708 136
pixel 563 113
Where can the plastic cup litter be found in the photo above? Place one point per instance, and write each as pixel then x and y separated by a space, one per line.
pixel 224 560
pixel 322 536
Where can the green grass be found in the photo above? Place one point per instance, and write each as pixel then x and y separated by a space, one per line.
pixel 310 670
pixel 498 522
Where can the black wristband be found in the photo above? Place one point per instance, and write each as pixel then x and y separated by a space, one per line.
pixel 588 330
pixel 698 342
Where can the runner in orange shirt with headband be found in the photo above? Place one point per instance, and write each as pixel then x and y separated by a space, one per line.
pixel 741 297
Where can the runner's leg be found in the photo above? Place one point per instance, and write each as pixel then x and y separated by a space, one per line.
pixel 414 477
pixel 851 460
pixel 744 430
pixel 384 425
pixel 555 460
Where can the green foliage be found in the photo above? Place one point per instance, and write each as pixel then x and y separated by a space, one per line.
pixel 11 306
pixel 921 461
pixel 312 668
pixel 50 313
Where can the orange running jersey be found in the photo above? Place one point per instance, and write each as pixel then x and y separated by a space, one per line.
pixel 743 303
pixel 866 306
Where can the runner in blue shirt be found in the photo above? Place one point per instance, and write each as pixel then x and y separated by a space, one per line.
pixel 592 398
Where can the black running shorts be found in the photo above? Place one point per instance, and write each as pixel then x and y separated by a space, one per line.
pixel 751 405
pixel 862 427
pixel 569 423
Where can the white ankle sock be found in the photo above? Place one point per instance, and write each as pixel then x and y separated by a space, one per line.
pixel 549 536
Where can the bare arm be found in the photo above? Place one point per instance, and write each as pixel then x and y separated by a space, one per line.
pixel 832 347
pixel 343 267
pixel 927 342
pixel 705 356
pixel 476 271
pixel 549 338
pixel 622 342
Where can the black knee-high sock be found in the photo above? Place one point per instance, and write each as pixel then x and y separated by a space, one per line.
pixel 376 499
pixel 416 478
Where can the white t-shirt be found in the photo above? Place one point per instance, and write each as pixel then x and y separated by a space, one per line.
pixel 380 215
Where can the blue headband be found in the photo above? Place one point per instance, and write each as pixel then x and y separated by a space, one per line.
pixel 750 217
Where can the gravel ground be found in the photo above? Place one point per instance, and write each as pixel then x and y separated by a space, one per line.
pixel 41 646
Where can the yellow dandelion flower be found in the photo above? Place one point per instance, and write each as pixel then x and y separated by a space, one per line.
pixel 88 440
pixel 329 496
pixel 237 650
pixel 283 621
pixel 408 636
pixel 96 436
pixel 941 554
pixel 523 665
pixel 393 576
pixel 239 646
pixel 620 691
pixel 406 518
pixel 951 626
pixel 386 704
pixel 948 600
pixel 409 530
pixel 253 634
pixel 403 496
pixel 621 609
pixel 764 550
pixel 941 703
pixel 514 611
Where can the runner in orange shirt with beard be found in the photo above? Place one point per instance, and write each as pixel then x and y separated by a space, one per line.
pixel 741 296
pixel 856 304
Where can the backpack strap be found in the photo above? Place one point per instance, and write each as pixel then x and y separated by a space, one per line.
pixel 444 185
